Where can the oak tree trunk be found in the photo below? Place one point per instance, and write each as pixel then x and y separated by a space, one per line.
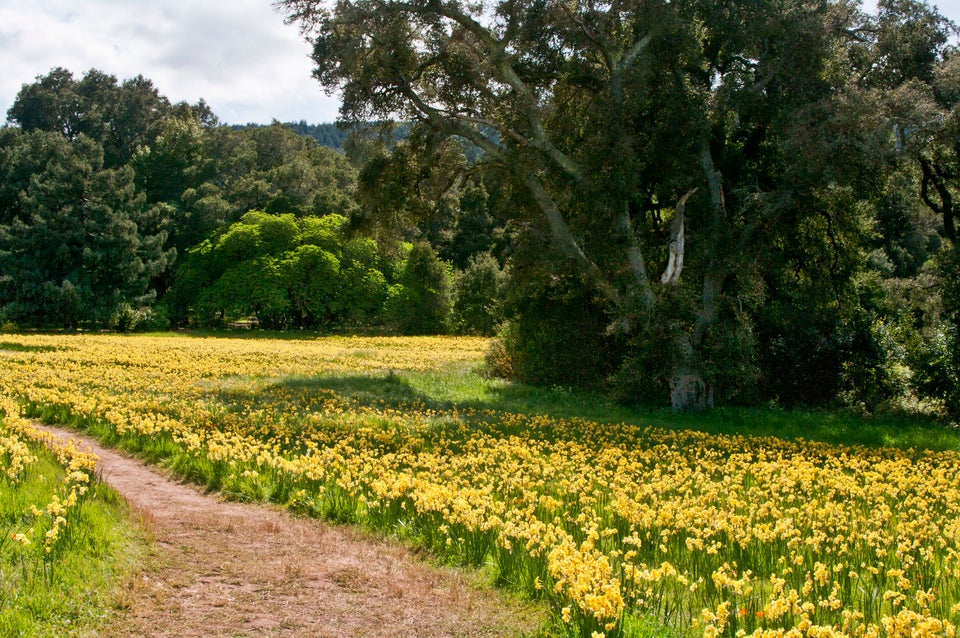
pixel 689 392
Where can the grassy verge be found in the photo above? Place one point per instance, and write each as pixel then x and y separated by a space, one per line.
pixel 67 542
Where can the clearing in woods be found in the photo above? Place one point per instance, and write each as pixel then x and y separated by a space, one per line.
pixel 234 569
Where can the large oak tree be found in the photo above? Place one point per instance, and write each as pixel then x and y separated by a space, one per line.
pixel 665 149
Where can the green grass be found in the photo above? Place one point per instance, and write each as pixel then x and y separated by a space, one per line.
pixel 13 346
pixel 468 387
pixel 901 431
pixel 463 388
pixel 75 593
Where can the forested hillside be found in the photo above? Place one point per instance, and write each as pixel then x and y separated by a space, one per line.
pixel 327 134
pixel 688 202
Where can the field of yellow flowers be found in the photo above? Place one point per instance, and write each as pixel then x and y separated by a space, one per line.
pixel 618 528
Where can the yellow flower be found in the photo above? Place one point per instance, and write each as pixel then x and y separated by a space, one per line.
pixel 22 539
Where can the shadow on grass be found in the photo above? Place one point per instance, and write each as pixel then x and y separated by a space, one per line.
pixel 465 390
pixel 448 391
pixel 310 393
pixel 12 346
pixel 367 390
pixel 828 426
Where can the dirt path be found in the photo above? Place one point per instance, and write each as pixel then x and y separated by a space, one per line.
pixel 231 569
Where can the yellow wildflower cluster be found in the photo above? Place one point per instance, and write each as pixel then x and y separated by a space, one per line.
pixel 719 535
pixel 15 456
pixel 16 437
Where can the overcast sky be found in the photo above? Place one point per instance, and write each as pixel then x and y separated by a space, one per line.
pixel 238 55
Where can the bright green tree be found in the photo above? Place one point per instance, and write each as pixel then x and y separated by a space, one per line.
pixel 286 272
pixel 422 301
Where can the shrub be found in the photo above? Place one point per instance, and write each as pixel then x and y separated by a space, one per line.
pixel 423 301
pixel 556 336
pixel 478 308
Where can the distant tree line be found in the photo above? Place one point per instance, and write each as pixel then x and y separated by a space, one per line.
pixel 326 134
pixel 121 210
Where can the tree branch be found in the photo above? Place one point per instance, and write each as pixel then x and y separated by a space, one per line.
pixel 713 181
pixel 449 123
pixel 506 130
pixel 931 175
pixel 505 72
pixel 563 239
pixel 634 52
pixel 671 275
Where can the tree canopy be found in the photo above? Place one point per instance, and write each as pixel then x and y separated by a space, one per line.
pixel 74 235
pixel 706 172
pixel 285 272
pixel 103 184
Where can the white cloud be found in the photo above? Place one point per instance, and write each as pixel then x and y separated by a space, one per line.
pixel 950 9
pixel 237 54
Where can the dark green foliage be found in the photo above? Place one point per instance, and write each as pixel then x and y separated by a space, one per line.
pixel 809 150
pixel 940 365
pixel 800 356
pixel 409 189
pixel 639 379
pixel 105 182
pixel 422 302
pixel 211 177
pixel 911 40
pixel 906 234
pixel 170 164
pixel 72 240
pixel 556 337
pixel 742 120
pixel 120 117
pixel 948 267
pixel 128 318
pixel 478 308
pixel 329 135
pixel 477 228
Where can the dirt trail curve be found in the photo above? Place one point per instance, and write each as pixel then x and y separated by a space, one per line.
pixel 232 569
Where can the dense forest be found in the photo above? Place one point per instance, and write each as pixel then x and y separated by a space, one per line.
pixel 689 202
pixel 326 134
